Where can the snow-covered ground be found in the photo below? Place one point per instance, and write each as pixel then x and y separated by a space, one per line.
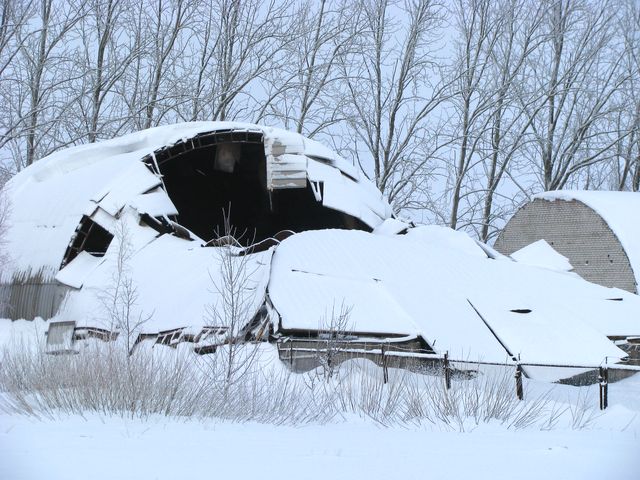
pixel 115 448
pixel 101 446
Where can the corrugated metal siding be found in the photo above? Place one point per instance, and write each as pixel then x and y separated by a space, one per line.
pixel 31 295
pixel 578 233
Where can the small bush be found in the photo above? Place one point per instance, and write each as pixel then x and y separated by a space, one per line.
pixel 103 378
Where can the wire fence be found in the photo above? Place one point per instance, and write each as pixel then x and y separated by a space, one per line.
pixel 387 354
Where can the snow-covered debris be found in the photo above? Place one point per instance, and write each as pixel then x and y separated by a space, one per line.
pixel 428 286
pixel 541 254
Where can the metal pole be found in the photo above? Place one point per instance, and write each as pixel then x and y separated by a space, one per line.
pixel 606 387
pixel 290 353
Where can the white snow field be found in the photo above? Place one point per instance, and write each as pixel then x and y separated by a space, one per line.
pixel 577 442
pixel 110 448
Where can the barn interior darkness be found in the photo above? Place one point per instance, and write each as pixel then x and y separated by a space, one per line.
pixel 229 178
pixel 89 237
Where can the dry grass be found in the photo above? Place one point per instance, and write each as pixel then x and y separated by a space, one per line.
pixel 177 383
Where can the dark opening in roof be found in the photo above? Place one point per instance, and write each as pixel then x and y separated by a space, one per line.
pixel 225 174
pixel 89 237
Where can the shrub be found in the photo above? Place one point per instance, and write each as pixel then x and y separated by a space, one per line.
pixel 160 380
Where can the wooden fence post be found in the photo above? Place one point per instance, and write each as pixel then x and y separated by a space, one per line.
pixel 385 371
pixel 518 376
pixel 603 379
pixel 447 371
pixel 290 353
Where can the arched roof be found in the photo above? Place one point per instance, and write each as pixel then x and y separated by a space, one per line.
pixel 49 198
pixel 619 210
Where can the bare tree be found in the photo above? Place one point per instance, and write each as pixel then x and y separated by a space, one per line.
pixel 237 44
pixel 332 332
pixel 197 61
pixel 154 86
pixel 520 37
pixel 479 29
pixel 14 15
pixel 44 72
pixel 120 300
pixel 234 309
pixel 577 74
pixel 304 92
pixel 105 59
pixel 492 57
pixel 394 89
pixel 627 121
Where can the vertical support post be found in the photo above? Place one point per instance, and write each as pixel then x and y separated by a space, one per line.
pixel 290 353
pixel 606 387
pixel 447 371
pixel 518 376
pixel 603 379
pixel 385 371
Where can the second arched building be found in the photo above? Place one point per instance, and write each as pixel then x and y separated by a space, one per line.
pixel 598 232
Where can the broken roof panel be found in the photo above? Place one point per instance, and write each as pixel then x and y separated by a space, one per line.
pixel 176 284
pixel 156 203
pixel 78 269
pixel 428 284
pixel 132 181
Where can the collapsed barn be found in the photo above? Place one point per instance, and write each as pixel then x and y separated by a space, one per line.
pixel 318 251
pixel 188 181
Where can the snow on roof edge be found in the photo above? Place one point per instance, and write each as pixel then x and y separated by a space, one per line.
pixel 619 210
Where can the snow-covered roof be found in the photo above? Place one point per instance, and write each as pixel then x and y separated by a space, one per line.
pixel 620 210
pixel 49 198
pixel 439 284
pixel 432 282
